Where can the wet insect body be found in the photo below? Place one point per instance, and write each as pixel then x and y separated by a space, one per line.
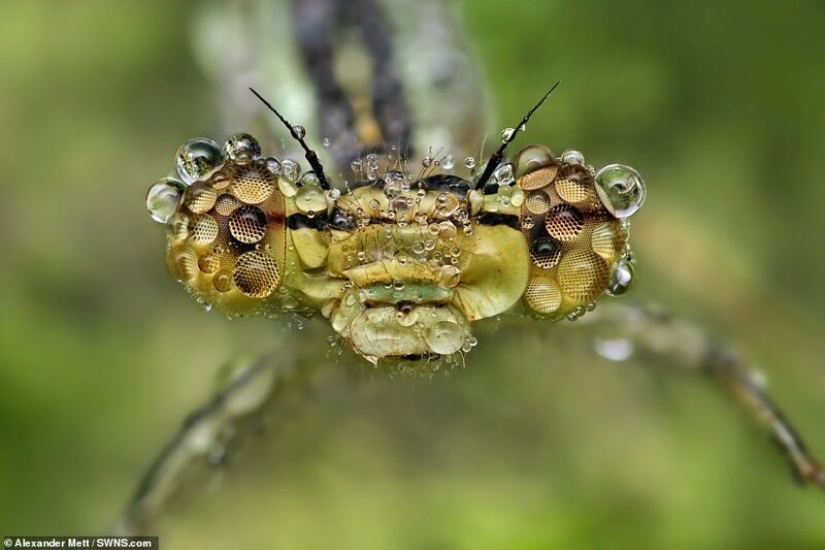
pixel 399 264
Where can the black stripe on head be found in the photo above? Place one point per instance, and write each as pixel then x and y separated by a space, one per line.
pixel 448 184
pixel 494 218
pixel 302 221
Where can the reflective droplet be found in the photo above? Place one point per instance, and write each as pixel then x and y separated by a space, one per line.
pixel 444 338
pixel 163 199
pixel 571 156
pixel 545 252
pixel 542 295
pixel 290 170
pixel 198 159
pixel 426 162
pixel 209 263
pixel 310 179
pixel 448 162
pixel 178 227
pixel 247 224
pixel 605 240
pixel 532 158
pixel 200 198
pixel 621 279
pixel 242 148
pixel 273 165
pixel 204 230
pixel 326 142
pixel 299 131
pixel 507 134
pixel 470 162
pixel 311 198
pixel 222 281
pixel 620 189
pixel 503 174
pixel 449 276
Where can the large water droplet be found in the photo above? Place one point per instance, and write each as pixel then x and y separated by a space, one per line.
pixel 163 199
pixel 311 198
pixel 571 156
pixel 507 134
pixel 299 131
pixel 503 174
pixel 290 170
pixel 444 338
pixel 532 158
pixel 620 189
pixel 470 162
pixel 198 159
pixel 273 165
pixel 242 148
pixel 621 279
pixel 448 162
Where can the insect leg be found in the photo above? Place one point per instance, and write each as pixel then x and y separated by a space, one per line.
pixel 211 436
pixel 681 343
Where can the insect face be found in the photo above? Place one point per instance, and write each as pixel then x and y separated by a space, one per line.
pixel 399 265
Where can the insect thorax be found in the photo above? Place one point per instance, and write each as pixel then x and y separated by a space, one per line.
pixel 399 264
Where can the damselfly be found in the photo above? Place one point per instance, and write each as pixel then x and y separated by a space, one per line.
pixel 401 256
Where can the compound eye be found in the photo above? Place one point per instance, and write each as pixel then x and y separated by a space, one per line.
pixel 571 221
pixel 227 232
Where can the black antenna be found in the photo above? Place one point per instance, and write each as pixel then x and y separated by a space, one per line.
pixel 310 155
pixel 495 159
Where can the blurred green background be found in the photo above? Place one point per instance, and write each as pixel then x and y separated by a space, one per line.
pixel 538 443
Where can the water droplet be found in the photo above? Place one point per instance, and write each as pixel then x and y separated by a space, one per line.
pixel 614 349
pixel 334 194
pixel 507 134
pixel 426 162
pixel 356 165
pixel 444 338
pixel 242 148
pixel 290 170
pixel 163 199
pixel 448 162
pixel 503 174
pixel 198 159
pixel 326 142
pixel 620 189
pixel 447 231
pixel 273 165
pixel 571 156
pixel 310 179
pixel 621 279
pixel 532 158
pixel 299 131
pixel 470 162
pixel 311 198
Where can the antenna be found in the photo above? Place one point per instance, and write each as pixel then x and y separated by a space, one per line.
pixel 309 154
pixel 495 159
